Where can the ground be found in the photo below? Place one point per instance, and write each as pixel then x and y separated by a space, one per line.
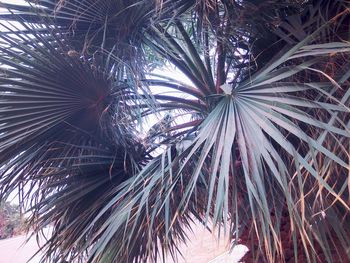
pixel 203 248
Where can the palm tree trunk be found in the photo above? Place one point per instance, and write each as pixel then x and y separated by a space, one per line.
pixel 254 255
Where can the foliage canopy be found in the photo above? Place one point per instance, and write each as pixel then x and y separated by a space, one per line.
pixel 261 134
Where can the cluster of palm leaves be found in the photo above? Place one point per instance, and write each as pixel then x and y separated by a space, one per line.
pixel 256 146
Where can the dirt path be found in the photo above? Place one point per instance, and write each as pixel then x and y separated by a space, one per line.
pixel 202 248
pixel 14 250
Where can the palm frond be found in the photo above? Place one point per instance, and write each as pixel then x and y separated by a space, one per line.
pixel 262 118
pixel 66 131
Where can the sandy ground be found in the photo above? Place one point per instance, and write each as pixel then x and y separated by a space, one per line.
pixel 13 250
pixel 202 248
pixel 205 247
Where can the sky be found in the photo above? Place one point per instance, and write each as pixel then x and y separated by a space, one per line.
pixel 12 1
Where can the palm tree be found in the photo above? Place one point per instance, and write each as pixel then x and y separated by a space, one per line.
pixel 257 145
